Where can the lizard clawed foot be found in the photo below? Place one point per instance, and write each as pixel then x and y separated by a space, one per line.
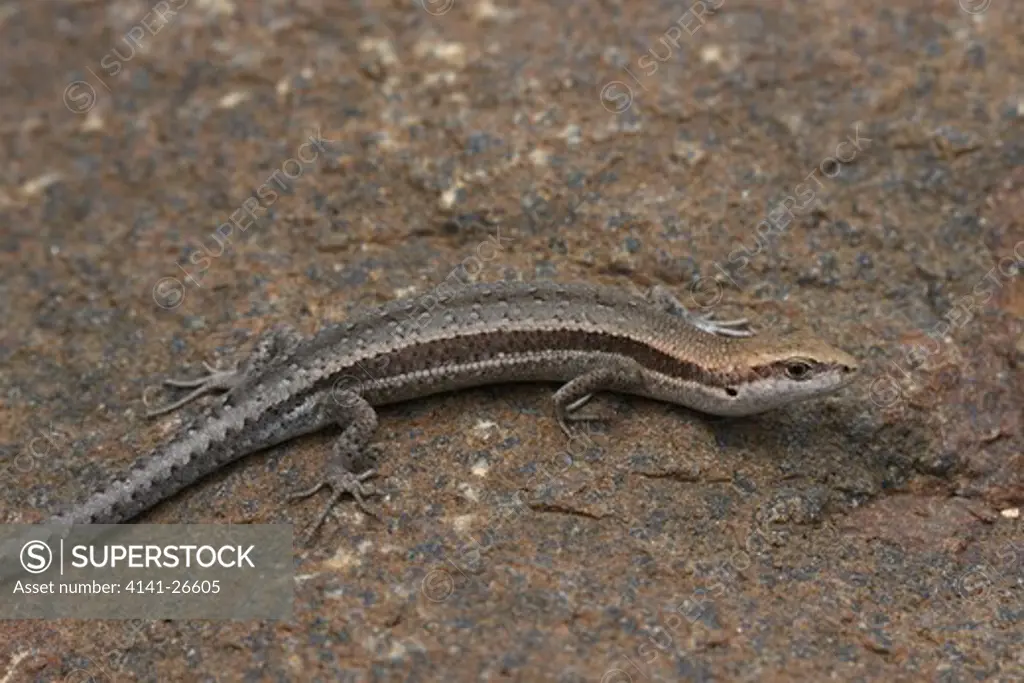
pixel 340 484
pixel 588 417
pixel 570 414
pixel 739 327
pixel 666 301
pixel 215 380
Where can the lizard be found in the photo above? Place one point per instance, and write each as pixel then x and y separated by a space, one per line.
pixel 590 338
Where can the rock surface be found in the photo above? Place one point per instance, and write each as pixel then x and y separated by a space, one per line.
pixel 854 168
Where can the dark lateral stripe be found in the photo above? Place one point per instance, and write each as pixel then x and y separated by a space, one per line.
pixel 488 345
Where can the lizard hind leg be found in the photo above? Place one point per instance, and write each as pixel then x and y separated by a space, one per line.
pixel 274 344
pixel 359 422
pixel 215 380
pixel 278 342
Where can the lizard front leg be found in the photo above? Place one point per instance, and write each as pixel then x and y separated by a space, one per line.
pixel 621 374
pixel 666 301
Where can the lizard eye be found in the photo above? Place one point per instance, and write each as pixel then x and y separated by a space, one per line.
pixel 798 370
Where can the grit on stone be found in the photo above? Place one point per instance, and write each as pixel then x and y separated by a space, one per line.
pixel 176 177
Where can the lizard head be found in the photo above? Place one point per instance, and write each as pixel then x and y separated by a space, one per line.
pixel 768 372
pixel 735 377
